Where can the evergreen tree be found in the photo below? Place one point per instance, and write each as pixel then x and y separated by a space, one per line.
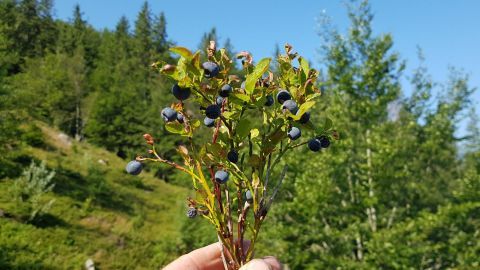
pixel 383 171
pixel 143 36
pixel 159 32
pixel 205 42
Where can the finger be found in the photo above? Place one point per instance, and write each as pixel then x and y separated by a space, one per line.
pixel 268 263
pixel 256 264
pixel 273 262
pixel 206 258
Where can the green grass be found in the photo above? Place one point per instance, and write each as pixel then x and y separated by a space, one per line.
pixel 100 212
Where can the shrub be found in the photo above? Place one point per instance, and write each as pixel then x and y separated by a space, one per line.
pixel 246 122
pixel 30 190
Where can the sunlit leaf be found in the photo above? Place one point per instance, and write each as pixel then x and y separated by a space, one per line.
pixel 182 51
pixel 174 127
pixel 305 66
pixel 254 133
pixel 252 78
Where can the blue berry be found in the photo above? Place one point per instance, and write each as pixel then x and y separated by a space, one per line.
pixel 225 90
pixel 181 93
pixel 192 212
pixel 249 196
pixel 314 145
pixel 242 86
pixel 169 114
pixel 269 102
pixel 211 69
pixel 324 141
pixel 209 122
pixel 305 118
pixel 219 101
pixel 294 133
pixel 221 176
pixel 134 167
pixel 290 105
pixel 232 156
pixel 283 96
pixel 213 111
pixel 180 118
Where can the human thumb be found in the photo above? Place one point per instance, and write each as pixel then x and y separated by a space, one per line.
pixel 268 263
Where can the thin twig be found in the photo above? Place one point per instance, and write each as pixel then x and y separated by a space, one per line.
pixel 225 264
pixel 277 187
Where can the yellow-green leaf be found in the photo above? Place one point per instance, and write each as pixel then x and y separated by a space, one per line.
pixel 242 97
pixel 254 133
pixel 174 127
pixel 303 109
pixel 252 78
pixel 305 66
pixel 182 51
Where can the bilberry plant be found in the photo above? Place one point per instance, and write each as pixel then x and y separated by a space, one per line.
pixel 254 122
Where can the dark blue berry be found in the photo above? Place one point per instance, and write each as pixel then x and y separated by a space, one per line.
pixel 314 145
pixel 134 167
pixel 269 102
pixel 290 105
pixel 169 114
pixel 213 111
pixel 221 176
pixel 192 212
pixel 219 101
pixel 211 69
pixel 305 118
pixel 180 118
pixel 209 122
pixel 294 133
pixel 232 156
pixel 225 90
pixel 282 96
pixel 324 141
pixel 180 93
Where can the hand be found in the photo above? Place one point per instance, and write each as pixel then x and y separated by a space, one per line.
pixel 209 258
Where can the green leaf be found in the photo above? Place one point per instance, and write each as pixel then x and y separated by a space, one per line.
pixel 254 133
pixel 195 123
pixel 252 78
pixel 182 51
pixel 305 66
pixel 313 96
pixel 328 124
pixel 303 109
pixel 216 150
pixel 181 71
pixel 194 66
pixel 243 128
pixel 242 97
pixel 174 127
pixel 230 114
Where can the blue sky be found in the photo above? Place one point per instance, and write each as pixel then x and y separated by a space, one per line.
pixel 448 31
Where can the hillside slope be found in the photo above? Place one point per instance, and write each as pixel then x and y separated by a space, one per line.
pixel 100 212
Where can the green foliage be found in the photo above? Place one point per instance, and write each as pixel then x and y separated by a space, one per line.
pixel 399 191
pixel 52 89
pixel 261 142
pixel 97 214
pixel 30 189
pixel 33 136
pixel 397 161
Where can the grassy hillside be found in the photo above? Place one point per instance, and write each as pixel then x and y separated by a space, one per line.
pixel 119 221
